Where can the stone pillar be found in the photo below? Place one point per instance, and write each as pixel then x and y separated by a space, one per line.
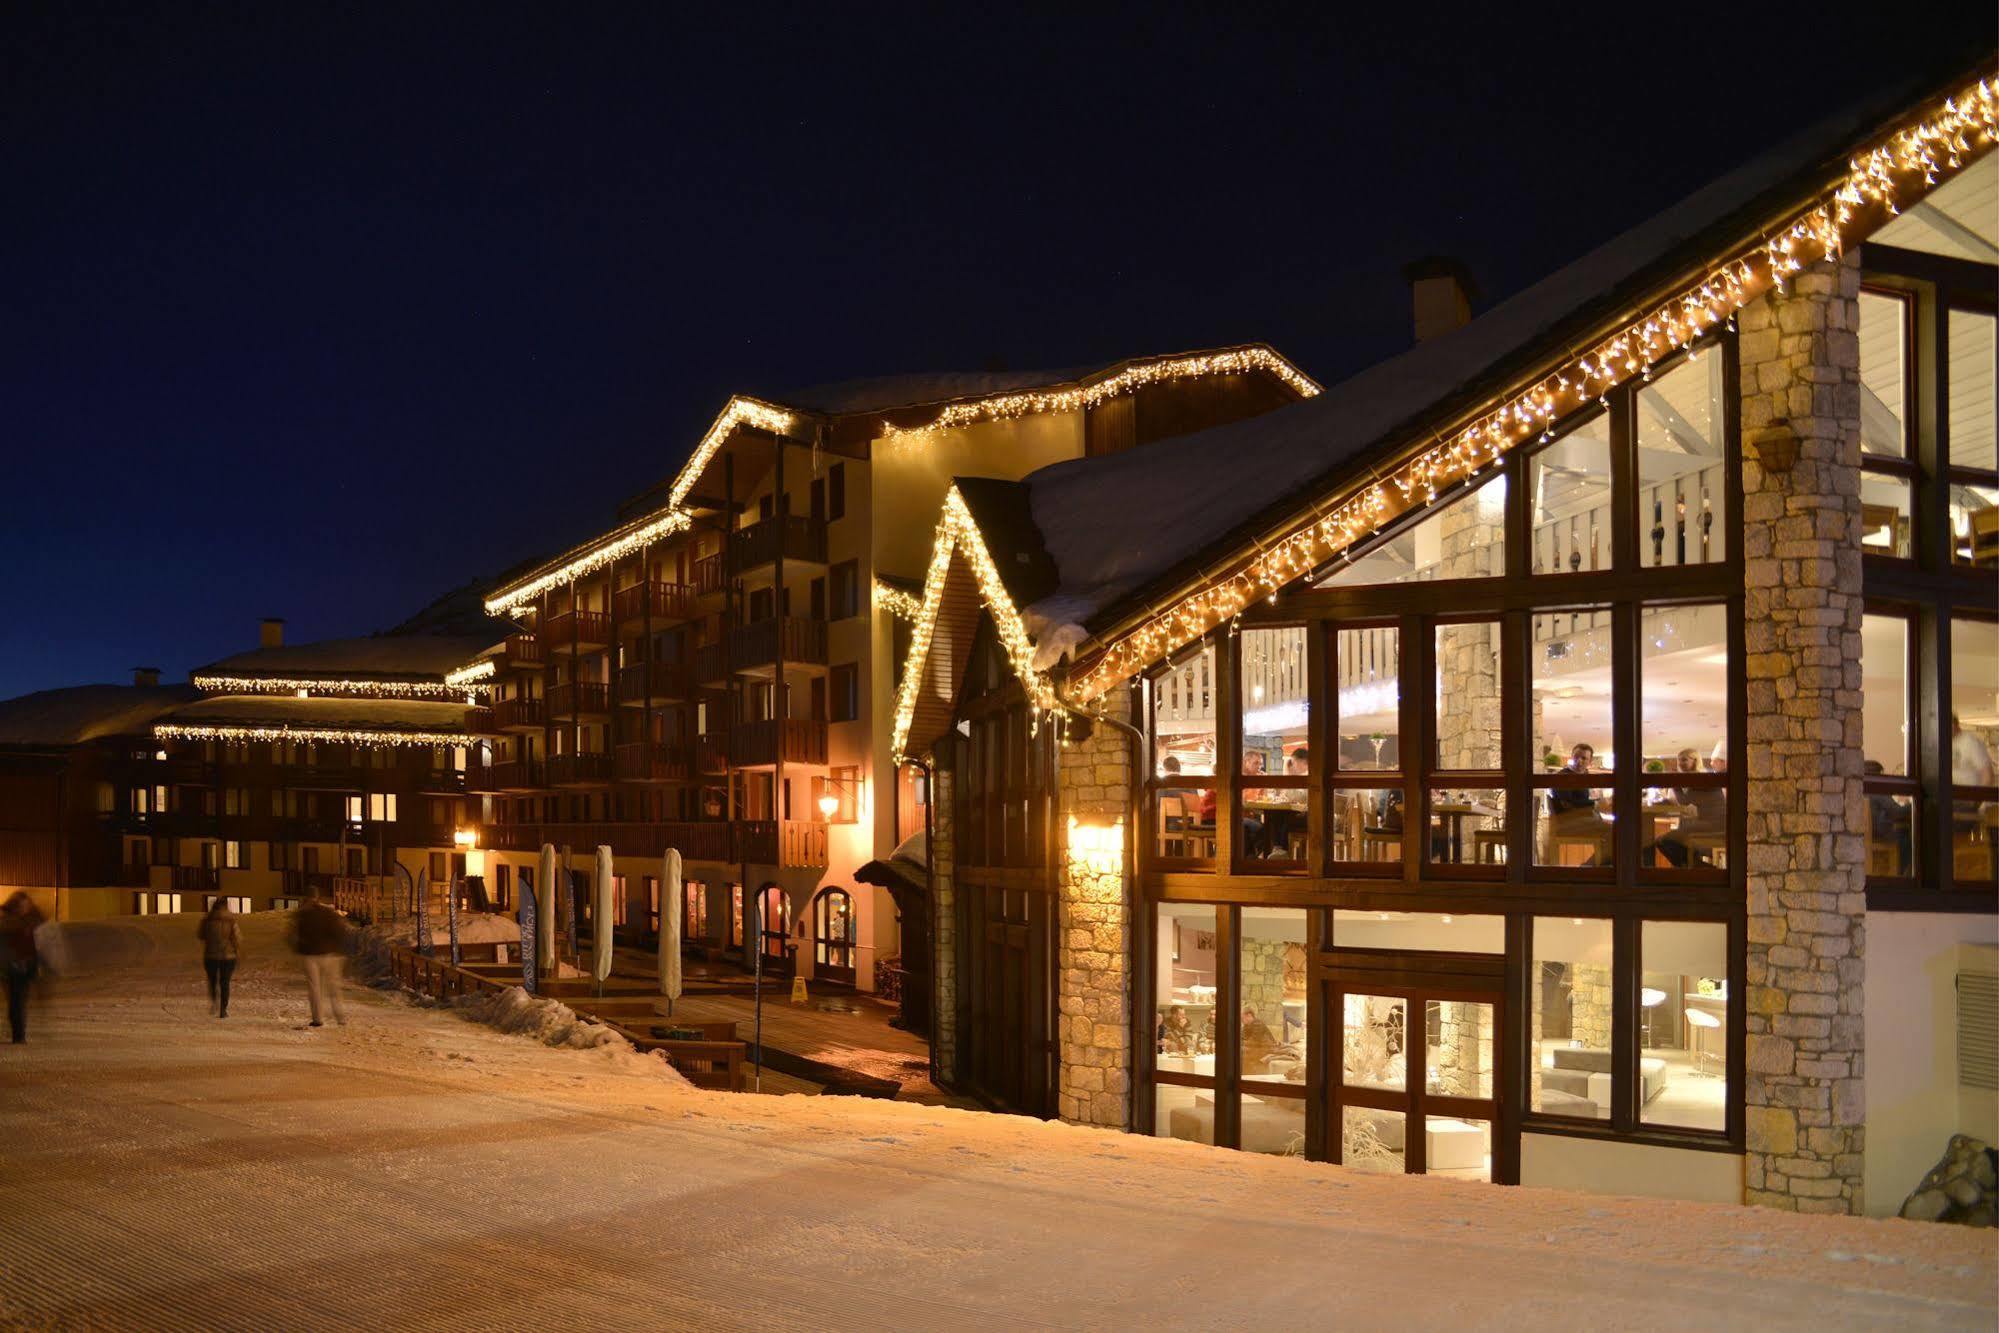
pixel 1093 953
pixel 943 919
pixel 1807 816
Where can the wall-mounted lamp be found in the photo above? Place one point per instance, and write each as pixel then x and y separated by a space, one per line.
pixel 466 838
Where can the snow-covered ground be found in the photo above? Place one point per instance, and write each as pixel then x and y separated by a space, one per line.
pixel 416 1169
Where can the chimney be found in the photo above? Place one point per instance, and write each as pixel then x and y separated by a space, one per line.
pixel 271 634
pixel 145 675
pixel 1443 291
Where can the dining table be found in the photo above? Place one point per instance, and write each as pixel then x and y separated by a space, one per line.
pixel 1455 813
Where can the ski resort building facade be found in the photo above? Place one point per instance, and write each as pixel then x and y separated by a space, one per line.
pixel 715 674
pixel 1561 755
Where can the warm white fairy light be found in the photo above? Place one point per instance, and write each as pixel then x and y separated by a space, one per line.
pixel 304 687
pixel 519 597
pixel 471 673
pixel 896 602
pixel 1028 402
pixel 1906 165
pixel 189 731
pixel 741 411
pixel 958 534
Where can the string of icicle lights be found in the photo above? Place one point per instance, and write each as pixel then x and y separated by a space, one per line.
pixel 1028 402
pixel 1903 167
pixel 356 689
pixel 956 532
pixel 471 673
pixel 906 605
pixel 187 731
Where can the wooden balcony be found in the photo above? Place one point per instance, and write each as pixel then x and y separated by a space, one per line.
pixel 791 739
pixel 519 715
pixel 479 721
pixel 661 603
pixel 482 778
pixel 579 699
pixel 652 761
pixel 754 650
pixel 517 775
pixel 582 631
pixel 579 770
pixel 196 879
pixel 784 843
pixel 753 552
pixel 703 841
pixel 710 577
pixel 711 664
pixel 521 653
pixel 643 684
pixel 711 754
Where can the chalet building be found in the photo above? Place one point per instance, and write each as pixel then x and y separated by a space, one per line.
pixel 711 674
pixel 1560 755
pixel 274 771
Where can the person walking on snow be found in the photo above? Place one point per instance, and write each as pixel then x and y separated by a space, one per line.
pixel 220 938
pixel 320 937
pixel 18 920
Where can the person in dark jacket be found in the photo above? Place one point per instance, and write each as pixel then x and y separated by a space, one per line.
pixel 319 936
pixel 18 921
pixel 220 939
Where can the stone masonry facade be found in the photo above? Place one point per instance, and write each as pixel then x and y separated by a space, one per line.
pixel 1807 816
pixel 1093 1085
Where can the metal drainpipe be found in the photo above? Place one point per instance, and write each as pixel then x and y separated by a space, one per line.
pixel 1130 855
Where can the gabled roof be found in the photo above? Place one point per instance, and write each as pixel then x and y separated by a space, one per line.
pixel 406 665
pixel 1147 540
pixel 80 713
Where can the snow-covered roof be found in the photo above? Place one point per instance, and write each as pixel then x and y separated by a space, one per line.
pixel 1122 525
pixel 79 713
pixel 882 393
pixel 379 656
pixel 328 713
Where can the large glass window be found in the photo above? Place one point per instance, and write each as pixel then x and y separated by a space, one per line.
pixel 1276 710
pixel 1367 665
pixel 1569 501
pixel 1569 662
pixel 1683 714
pixel 1682 475
pixel 1683 1025
pixel 1185 1027
pixel 1974 740
pixel 1884 378
pixel 1571 1070
pixel 1886 711
pixel 1463 538
pixel 1182 782
pixel 1275 971
pixel 1468 696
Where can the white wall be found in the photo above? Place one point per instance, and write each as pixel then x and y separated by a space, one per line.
pixel 1910 1010
pixel 1596 1166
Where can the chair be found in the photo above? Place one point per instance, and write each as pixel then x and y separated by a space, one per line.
pixel 1489 846
pixel 1702 1020
pixel 1380 844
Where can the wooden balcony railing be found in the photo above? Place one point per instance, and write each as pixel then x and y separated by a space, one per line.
pixel 707 840
pixel 579 770
pixel 652 761
pixel 711 664
pixel 711 753
pixel 479 721
pixel 794 740
pixel 196 879
pixel 664 603
pixel 523 653
pixel 580 629
pixel 579 698
pixel 481 778
pixel 803 539
pixel 800 640
pixel 517 775
pixel 709 578
pixel 519 715
pixel 788 842
pixel 644 683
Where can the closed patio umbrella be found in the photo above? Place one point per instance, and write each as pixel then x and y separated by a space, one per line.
pixel 544 885
pixel 600 918
pixel 669 927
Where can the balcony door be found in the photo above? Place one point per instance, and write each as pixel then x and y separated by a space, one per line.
pixel 1415 1074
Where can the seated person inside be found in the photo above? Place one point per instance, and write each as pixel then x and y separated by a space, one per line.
pixel 1707 821
pixel 1572 811
pixel 1887 824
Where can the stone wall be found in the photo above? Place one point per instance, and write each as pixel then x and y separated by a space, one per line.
pixel 1462 1058
pixel 1800 362
pixel 1589 1005
pixel 944 919
pixel 1093 961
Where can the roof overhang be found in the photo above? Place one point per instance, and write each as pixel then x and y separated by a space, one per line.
pixel 1928 146
pixel 360 686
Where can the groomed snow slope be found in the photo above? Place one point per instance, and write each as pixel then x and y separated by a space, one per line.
pixel 414 1169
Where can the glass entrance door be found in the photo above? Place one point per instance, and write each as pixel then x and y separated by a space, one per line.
pixel 1416 1089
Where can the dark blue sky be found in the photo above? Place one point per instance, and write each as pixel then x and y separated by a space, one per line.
pixel 318 311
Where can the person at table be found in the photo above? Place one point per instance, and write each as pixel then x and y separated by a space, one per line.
pixel 1391 822
pixel 1706 813
pixel 1970 766
pixel 1572 811
pixel 1255 833
pixel 1888 820
pixel 1282 824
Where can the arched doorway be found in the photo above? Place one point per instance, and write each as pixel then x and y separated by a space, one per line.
pixel 774 929
pixel 833 935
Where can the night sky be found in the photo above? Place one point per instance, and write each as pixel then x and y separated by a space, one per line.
pixel 320 311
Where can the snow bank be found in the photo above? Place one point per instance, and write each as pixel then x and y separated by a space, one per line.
pixel 553 1023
